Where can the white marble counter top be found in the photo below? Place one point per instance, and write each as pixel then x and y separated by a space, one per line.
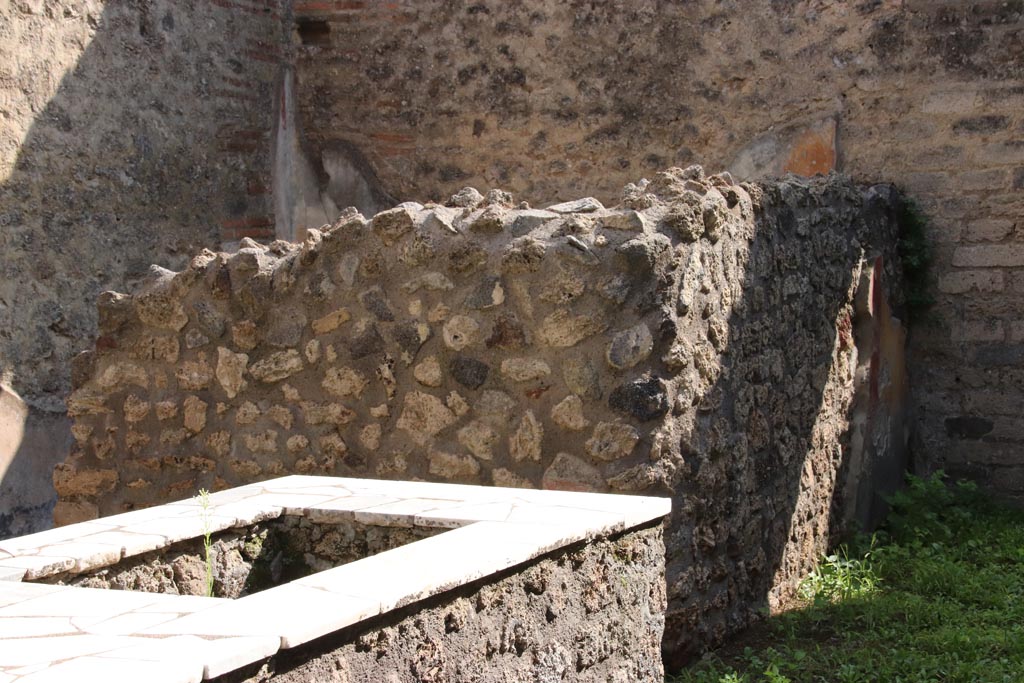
pixel 61 633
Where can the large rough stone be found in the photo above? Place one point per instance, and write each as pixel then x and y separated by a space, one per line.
pixel 209 319
pixel 113 310
pixel 326 413
pixel 440 219
pixel 161 308
pixel 562 329
pixel 392 225
pixel 582 377
pixel 507 333
pixel 585 205
pixel 432 281
pixel 247 413
pixel 134 409
pixel 469 372
pixel 262 442
pixel 370 435
pixel 410 337
pixel 72 482
pixel 568 473
pixel 285 329
pixel 424 416
pixel 524 369
pixel 630 347
pixel 488 220
pixel 195 339
pixel 528 220
pixel 428 372
pixel 612 441
pixel 277 366
pixel 524 255
pixel 568 414
pixel 333 446
pixel 331 321
pixel 194 375
pixel 467 197
pixel 629 220
pixel 344 382
pixel 643 399
pixel 194 414
pixel 219 443
pixel 120 375
pixel 495 404
pixel 526 442
pixel 460 331
pixel 488 294
pixel 452 466
pixel 245 335
pixel 365 340
pixel 479 439
pixel 502 476
pixel 376 302
pixel 230 370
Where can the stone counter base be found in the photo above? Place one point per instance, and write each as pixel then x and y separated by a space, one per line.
pixel 591 612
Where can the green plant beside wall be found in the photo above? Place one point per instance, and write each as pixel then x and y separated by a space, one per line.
pixel 204 510
pixel 915 252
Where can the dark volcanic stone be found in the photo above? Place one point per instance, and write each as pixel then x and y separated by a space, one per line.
pixel 376 301
pixel 211 321
pixel 469 372
pixel 366 342
pixel 407 336
pixel 465 258
pixel 643 399
pixel 483 295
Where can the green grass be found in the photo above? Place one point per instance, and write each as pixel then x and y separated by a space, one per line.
pixel 936 596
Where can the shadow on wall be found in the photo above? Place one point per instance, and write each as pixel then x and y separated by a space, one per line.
pixel 31 443
pixel 765 478
pixel 132 133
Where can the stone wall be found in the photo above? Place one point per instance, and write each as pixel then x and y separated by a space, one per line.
pixel 729 344
pixel 555 99
pixel 130 132
pixel 142 130
pixel 591 613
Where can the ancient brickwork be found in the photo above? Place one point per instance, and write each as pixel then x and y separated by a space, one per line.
pixel 555 99
pixel 699 338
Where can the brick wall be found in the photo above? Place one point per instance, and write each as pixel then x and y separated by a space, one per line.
pixel 546 99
